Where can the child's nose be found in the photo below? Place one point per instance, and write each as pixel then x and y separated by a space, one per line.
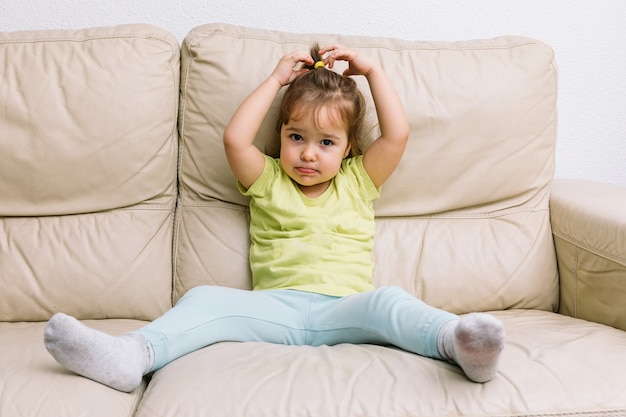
pixel 308 153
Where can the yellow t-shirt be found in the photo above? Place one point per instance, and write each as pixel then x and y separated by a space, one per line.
pixel 322 245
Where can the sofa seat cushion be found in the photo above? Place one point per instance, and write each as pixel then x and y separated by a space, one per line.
pixel 33 384
pixel 551 365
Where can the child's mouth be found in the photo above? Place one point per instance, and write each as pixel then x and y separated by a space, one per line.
pixel 306 171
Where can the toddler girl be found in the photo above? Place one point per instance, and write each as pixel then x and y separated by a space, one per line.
pixel 311 229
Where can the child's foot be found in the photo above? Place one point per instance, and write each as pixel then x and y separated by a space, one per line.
pixel 119 362
pixel 474 343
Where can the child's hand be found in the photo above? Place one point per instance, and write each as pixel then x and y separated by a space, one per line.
pixel 357 64
pixel 285 71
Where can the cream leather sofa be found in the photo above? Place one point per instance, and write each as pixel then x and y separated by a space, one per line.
pixel 115 199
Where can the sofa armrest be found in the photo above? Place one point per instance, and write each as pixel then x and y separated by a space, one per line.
pixel 589 228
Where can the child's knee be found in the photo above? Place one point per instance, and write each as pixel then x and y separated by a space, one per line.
pixel 199 293
pixel 393 293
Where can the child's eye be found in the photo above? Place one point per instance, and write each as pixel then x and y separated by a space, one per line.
pixel 296 137
pixel 327 142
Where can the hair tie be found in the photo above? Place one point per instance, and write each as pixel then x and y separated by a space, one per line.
pixel 319 64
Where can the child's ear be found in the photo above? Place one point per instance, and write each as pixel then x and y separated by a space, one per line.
pixel 347 152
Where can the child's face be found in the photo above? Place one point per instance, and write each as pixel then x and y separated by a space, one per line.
pixel 311 153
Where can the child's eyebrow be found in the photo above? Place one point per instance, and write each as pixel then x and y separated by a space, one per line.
pixel 330 136
pixel 292 130
pixel 296 129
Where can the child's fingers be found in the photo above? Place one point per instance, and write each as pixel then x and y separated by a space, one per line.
pixel 299 56
pixel 334 49
pixel 336 53
pixel 329 54
pixel 291 65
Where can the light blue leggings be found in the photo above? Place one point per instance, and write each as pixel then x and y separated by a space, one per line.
pixel 210 314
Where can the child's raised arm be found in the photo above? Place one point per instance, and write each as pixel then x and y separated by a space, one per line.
pixel 383 156
pixel 246 160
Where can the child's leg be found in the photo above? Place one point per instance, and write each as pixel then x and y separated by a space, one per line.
pixel 211 314
pixel 391 315
pixel 205 315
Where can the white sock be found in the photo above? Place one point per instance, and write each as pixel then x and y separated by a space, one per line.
pixel 117 361
pixel 474 343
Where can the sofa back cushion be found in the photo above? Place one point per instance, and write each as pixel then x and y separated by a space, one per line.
pixel 88 153
pixel 463 223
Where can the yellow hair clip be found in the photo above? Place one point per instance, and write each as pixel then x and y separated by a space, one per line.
pixel 319 64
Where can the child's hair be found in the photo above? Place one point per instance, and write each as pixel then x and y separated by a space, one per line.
pixel 321 87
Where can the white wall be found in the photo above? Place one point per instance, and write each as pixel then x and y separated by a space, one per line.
pixel 589 38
